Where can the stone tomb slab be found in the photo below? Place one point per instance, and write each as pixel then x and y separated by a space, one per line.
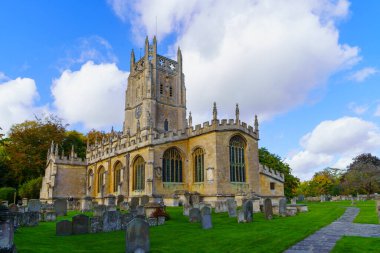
pixel 34 205
pixel 137 236
pixel 63 227
pixel 81 224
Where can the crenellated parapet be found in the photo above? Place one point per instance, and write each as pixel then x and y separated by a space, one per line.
pixel 271 173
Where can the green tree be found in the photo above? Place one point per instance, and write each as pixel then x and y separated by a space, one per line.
pixel 363 175
pixel 275 162
pixel 28 145
pixel 31 189
pixel 76 139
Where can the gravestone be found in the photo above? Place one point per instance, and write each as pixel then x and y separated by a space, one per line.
pixel 63 227
pixel 152 222
pixel 111 221
pixel 86 204
pixel 50 216
pixel 134 203
pixel 13 208
pixel 99 210
pixel 31 219
pixel 60 207
pixel 110 200
pixel 301 198
pixel 218 207
pixel 291 211
pixel 268 210
pixel 195 199
pixel 125 218
pixel 96 225
pixel 140 211
pixel 34 205
pixel 282 207
pixel 24 201
pixel 137 236
pixel 120 199
pixel 194 215
pixel 160 220
pixel 6 230
pixel 206 217
pixel 144 200
pixel 294 201
pixel 186 209
pixel 81 224
pixel 240 216
pixel 231 205
pixel 322 198
pixel 248 211
pixel 124 206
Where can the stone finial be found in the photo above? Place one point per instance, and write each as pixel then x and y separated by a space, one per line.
pixel 237 113
pixel 133 60
pixel 190 120
pixel 214 112
pixel 179 55
pixel 146 48
pixel 56 150
pixel 256 124
pixel 52 147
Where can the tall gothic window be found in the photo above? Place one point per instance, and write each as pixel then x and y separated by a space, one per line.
pixel 90 179
pixel 166 125
pixel 139 174
pixel 116 177
pixel 172 166
pixel 101 179
pixel 198 158
pixel 237 163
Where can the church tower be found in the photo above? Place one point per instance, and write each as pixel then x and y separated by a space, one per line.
pixel 155 98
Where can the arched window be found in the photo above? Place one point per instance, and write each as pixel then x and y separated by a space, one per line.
pixel 172 166
pixel 139 174
pixel 237 163
pixel 101 179
pixel 161 89
pixel 117 177
pixel 198 161
pixel 90 178
pixel 166 125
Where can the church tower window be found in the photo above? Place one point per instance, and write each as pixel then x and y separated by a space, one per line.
pixel 171 91
pixel 237 163
pixel 172 166
pixel 198 158
pixel 139 174
pixel 166 125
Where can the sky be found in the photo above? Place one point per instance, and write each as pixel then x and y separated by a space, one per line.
pixel 308 68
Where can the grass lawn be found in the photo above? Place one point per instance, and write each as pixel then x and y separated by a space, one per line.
pixel 367 212
pixel 357 244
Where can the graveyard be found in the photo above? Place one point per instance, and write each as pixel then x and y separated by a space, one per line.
pixel 178 234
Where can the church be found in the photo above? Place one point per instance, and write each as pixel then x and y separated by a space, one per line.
pixel 160 153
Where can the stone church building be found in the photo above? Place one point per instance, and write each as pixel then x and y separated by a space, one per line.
pixel 160 153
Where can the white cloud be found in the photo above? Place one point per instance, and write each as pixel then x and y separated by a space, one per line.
pixel 3 77
pixel 267 55
pixel 377 111
pixel 93 95
pixel 334 143
pixel 17 101
pixel 363 74
pixel 358 109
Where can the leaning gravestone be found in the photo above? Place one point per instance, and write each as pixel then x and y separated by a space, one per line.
pixel 282 207
pixel 248 211
pixel 99 210
pixel 60 207
pixel 34 205
pixel 134 203
pixel 81 224
pixel 137 236
pixel 144 200
pixel 194 215
pixel 206 217
pixel 63 227
pixel 231 205
pixel 111 221
pixel 268 209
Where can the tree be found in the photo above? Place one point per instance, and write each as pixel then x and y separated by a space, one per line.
pixel 363 175
pixel 28 145
pixel 5 178
pixel 274 161
pixel 31 189
pixel 76 139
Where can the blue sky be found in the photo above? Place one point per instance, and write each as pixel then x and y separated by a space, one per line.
pixel 308 68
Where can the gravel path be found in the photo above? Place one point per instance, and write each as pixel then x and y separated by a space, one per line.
pixel 325 239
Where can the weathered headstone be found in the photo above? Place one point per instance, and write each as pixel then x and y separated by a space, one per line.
pixel 6 230
pixel 152 222
pixel 160 220
pixel 50 216
pixel 206 217
pixel 124 206
pixel 195 199
pixel 268 211
pixel 86 204
pixel 99 210
pixel 294 201
pixel 110 200
pixel 24 201
pixel 125 219
pixel 63 227
pixel 134 203
pixel 140 211
pixel 34 205
pixel 96 224
pixel 31 219
pixel 322 198
pixel 144 200
pixel 282 207
pixel 111 221
pixel 194 215
pixel 60 207
pixel 120 199
pixel 81 224
pixel 137 236
pixel 248 211
pixel 186 209
pixel 240 216
pixel 231 205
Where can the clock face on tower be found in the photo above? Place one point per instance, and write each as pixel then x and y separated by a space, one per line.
pixel 138 112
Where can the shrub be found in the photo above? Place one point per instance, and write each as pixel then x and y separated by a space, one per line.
pixel 7 193
pixel 31 189
pixel 159 212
